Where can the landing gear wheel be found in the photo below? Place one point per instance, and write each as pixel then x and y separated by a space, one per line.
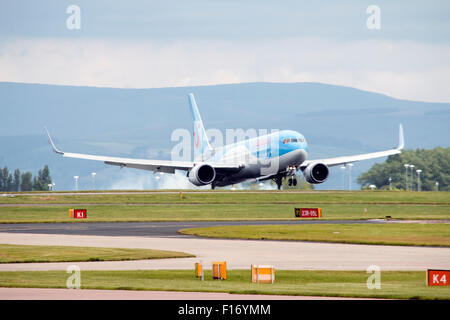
pixel 294 182
pixel 290 182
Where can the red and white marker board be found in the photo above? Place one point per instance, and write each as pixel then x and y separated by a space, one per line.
pixel 308 212
pixel 78 213
pixel 438 277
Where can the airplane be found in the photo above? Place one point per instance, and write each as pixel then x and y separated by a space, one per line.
pixel 275 156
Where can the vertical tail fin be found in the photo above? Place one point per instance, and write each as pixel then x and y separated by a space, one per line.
pixel 201 143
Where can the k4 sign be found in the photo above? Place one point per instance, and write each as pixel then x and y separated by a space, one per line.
pixel 438 277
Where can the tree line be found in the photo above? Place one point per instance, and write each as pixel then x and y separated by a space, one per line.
pixel 434 163
pixel 18 181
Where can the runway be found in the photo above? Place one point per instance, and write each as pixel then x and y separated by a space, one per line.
pixel 149 229
pixel 239 254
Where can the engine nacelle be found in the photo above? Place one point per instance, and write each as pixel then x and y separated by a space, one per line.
pixel 316 173
pixel 202 174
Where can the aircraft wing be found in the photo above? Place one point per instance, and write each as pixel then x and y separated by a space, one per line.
pixel 330 162
pixel 166 166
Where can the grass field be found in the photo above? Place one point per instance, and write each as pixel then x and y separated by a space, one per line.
pixel 381 234
pixel 211 205
pixel 194 212
pixel 232 205
pixel 237 197
pixel 29 253
pixel 396 285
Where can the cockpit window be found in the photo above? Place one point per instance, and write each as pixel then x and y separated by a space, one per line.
pixel 287 140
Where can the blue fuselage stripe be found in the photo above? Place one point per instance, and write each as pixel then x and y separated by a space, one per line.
pixel 268 146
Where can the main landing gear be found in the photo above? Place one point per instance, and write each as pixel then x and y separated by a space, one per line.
pixel 292 182
pixel 279 181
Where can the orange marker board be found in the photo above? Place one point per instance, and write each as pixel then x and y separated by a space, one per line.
pixel 219 270
pixel 263 273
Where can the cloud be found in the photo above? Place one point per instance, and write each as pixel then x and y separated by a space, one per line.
pixel 407 70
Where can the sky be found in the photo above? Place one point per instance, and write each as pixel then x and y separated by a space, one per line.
pixel 398 48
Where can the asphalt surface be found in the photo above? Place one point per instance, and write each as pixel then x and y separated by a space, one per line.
pixel 148 229
pixel 239 254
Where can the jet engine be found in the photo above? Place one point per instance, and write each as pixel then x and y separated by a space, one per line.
pixel 202 174
pixel 316 173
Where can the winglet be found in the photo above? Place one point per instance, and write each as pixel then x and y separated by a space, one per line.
pixel 401 139
pixel 51 142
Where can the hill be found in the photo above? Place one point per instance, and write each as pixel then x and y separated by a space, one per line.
pixel 336 120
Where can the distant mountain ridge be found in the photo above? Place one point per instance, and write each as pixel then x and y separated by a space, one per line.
pixel 335 120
